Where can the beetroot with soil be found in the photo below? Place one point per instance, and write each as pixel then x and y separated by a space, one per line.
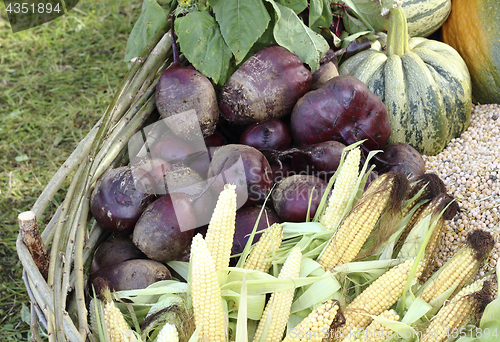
pixel 181 89
pixel 166 227
pixel 120 196
pixel 266 86
pixel 292 195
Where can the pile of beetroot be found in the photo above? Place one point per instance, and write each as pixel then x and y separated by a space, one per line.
pixel 271 131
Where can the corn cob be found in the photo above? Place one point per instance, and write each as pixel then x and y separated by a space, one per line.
pixel 220 233
pixel 318 324
pixel 376 331
pixel 269 241
pixel 462 267
pixel 456 313
pixel 114 320
pixel 94 304
pixel 434 208
pixel 342 190
pixel 360 221
pixel 206 295
pixel 432 186
pixel 378 297
pixel 278 307
pixel 168 333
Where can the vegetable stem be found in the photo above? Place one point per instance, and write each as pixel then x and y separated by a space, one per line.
pixel 397 33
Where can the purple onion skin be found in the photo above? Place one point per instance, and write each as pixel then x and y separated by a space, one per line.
pixel 291 197
pixel 120 197
pixel 266 86
pixel 270 134
pixel 344 110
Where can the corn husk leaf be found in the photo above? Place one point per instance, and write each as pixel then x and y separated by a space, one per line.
pixel 358 187
pixel 259 283
pixel 254 304
pixel 400 330
pixel 317 293
pixel 248 246
pixel 416 239
pixel 416 311
pixel 241 325
pixel 472 339
pixel 386 251
pixel 181 267
pixel 194 337
pixel 99 316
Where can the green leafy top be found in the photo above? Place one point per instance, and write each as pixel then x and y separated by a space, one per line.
pixel 217 35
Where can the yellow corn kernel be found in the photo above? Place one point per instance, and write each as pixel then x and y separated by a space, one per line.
pixel 261 252
pixel 359 222
pixel 435 208
pixel 462 266
pixel 168 333
pixel 411 223
pixel 220 232
pixel 115 323
pixel 206 294
pixel 378 297
pixel 342 190
pixel 316 324
pixel 456 313
pixel 278 307
pixel 376 331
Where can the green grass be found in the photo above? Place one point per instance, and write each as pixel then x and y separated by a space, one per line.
pixel 55 82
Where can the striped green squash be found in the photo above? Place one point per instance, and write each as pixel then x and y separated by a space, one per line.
pixel 425 85
pixel 424 17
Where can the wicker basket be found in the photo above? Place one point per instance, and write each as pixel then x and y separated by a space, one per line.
pixel 57 289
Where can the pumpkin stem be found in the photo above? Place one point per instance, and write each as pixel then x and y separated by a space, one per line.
pixel 397 33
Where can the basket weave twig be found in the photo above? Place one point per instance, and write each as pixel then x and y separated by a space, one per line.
pixel 57 295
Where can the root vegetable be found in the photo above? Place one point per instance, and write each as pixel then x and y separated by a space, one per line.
pixel 270 134
pixel 166 227
pixel 116 249
pixel 245 222
pixel 407 159
pixel 345 110
pixel 247 168
pixel 323 157
pixel 266 86
pixel 328 69
pixel 120 196
pixel 291 197
pixel 131 275
pixel 181 89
